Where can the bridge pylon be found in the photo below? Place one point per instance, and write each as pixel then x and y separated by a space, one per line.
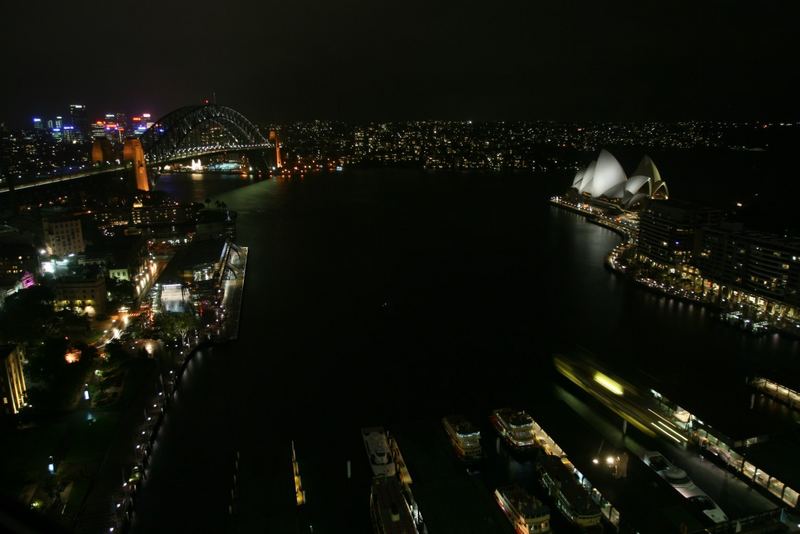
pixel 132 151
pixel 102 150
pixel 273 136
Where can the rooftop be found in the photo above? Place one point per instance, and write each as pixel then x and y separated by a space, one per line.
pixel 515 417
pixel 643 499
pixel 725 406
pixel 778 456
pixel 189 256
pixel 524 503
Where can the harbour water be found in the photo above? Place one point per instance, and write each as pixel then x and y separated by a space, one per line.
pixel 392 298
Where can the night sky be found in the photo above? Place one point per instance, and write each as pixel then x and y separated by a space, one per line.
pixel 391 60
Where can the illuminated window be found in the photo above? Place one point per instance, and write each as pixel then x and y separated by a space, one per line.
pixel 790 496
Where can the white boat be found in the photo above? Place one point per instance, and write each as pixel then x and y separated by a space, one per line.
pixel 526 512
pixel 515 426
pixel 464 436
pixel 569 496
pixel 378 452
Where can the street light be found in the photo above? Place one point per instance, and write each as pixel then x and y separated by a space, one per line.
pixel 51 465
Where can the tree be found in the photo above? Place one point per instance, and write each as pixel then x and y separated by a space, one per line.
pixel 176 324
pixel 117 353
pixel 28 316
pixel 121 291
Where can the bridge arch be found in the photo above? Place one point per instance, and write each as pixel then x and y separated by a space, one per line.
pixel 164 139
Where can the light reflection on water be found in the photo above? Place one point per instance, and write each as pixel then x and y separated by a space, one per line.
pixel 485 280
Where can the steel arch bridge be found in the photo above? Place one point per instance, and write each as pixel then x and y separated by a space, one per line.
pixel 175 135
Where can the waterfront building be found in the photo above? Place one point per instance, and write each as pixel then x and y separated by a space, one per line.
pixel 764 265
pixel 605 179
pixel 195 273
pixel 63 235
pixel 745 433
pixel 12 379
pixel 667 231
pixel 154 210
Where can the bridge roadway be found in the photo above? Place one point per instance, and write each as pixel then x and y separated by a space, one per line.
pixel 179 155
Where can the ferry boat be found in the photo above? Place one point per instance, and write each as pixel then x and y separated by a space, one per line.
pixel 380 457
pixel 464 436
pixel 515 426
pixel 400 464
pixel 527 513
pixel 393 509
pixel 569 496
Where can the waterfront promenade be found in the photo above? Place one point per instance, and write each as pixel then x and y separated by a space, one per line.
pixel 622 260
pixel 156 402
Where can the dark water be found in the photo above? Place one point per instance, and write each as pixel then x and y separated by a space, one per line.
pixel 197 187
pixel 392 298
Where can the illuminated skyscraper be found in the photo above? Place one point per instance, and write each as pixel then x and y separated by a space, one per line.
pixel 79 121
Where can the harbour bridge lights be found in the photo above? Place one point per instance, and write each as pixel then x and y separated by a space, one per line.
pixel 611 385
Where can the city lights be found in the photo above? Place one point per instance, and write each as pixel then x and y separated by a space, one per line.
pixel 468 224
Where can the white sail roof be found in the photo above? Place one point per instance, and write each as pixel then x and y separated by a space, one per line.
pixel 618 191
pixel 588 175
pixel 648 168
pixel 578 177
pixel 661 190
pixel 636 183
pixel 608 173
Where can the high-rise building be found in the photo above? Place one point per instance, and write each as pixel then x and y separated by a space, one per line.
pixel 765 264
pixel 79 120
pixel 667 230
pixel 98 129
pixel 122 124
pixel 68 133
pixel 63 235
pixel 12 379
pixel 38 124
pixel 140 123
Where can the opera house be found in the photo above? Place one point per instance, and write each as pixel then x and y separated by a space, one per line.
pixel 605 180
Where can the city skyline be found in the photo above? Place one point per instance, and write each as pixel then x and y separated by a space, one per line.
pixel 399 267
pixel 366 62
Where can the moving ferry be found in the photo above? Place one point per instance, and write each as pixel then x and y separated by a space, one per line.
pixel 526 512
pixel 464 436
pixel 515 426
pixel 378 452
pixel 571 499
